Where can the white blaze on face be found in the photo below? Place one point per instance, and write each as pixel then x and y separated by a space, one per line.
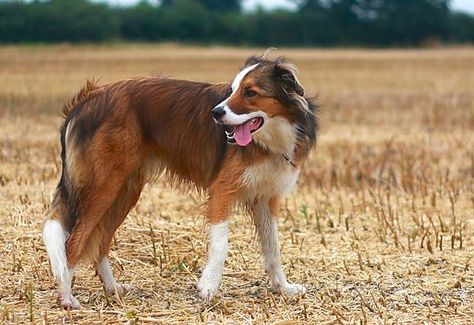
pixel 235 86
pixel 240 76
pixel 277 134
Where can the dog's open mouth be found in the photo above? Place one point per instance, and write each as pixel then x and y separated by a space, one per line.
pixel 242 133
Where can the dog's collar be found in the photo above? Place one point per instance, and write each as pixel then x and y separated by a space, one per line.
pixel 289 160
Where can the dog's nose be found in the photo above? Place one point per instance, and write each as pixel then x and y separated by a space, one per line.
pixel 218 112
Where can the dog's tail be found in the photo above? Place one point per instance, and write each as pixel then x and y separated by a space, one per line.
pixel 62 215
pixel 84 93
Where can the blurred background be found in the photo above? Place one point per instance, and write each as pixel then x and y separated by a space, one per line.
pixel 241 22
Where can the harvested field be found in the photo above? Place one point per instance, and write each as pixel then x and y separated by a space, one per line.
pixel 380 227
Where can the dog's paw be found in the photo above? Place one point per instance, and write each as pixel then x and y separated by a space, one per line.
pixel 207 288
pixel 120 288
pixel 292 289
pixel 68 301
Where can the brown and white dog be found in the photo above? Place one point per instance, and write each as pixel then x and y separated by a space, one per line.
pixel 243 143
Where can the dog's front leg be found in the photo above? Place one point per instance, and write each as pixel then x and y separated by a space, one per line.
pixel 212 274
pixel 267 228
pixel 219 206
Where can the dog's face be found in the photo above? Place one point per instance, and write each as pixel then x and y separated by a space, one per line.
pixel 266 106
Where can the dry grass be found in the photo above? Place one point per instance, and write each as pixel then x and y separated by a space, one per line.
pixel 380 227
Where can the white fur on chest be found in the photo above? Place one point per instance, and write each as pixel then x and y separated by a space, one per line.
pixel 270 178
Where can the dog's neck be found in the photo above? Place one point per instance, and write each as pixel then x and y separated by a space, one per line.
pixel 290 160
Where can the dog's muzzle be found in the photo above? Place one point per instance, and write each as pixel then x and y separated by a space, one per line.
pixel 217 113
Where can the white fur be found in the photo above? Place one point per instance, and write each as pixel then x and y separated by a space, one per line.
pixel 110 284
pixel 68 301
pixel 54 237
pixel 230 118
pixel 70 149
pixel 73 158
pixel 274 176
pixel 240 76
pixel 267 229
pixel 212 274
pixel 236 83
pixel 277 135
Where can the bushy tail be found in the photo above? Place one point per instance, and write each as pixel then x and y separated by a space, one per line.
pixel 85 92
pixel 60 222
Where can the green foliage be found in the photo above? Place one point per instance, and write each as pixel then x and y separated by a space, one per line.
pixel 142 22
pixel 211 5
pixel 314 22
pixel 56 21
pixel 461 27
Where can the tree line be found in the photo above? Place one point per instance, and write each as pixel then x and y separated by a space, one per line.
pixel 311 23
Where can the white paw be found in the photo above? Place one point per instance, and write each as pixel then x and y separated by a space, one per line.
pixel 68 301
pixel 292 289
pixel 120 288
pixel 208 288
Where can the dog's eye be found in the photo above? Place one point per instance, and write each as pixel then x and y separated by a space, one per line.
pixel 250 93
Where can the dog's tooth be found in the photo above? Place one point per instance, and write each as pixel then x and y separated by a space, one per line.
pixel 229 135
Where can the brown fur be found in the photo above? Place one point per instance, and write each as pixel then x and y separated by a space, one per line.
pixel 116 136
pixel 84 93
pixel 131 133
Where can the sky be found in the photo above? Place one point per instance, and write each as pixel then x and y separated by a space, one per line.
pixel 462 5
pixel 465 5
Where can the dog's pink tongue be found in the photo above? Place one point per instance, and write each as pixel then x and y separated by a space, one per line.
pixel 242 134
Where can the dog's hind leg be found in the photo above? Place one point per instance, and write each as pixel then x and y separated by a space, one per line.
pixel 65 250
pixel 126 200
pixel 111 160
pixel 111 286
pixel 54 237
pixel 267 228
pixel 95 205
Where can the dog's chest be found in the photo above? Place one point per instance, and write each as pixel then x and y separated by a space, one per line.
pixel 269 178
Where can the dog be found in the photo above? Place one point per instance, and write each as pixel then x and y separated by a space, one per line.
pixel 243 143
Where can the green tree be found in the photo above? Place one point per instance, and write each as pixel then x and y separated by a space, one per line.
pixel 57 21
pixel 212 5
pixel 143 22
pixel 188 20
pixel 461 27
pixel 315 22
pixel 408 22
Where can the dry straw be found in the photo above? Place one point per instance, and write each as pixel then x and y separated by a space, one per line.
pixel 380 227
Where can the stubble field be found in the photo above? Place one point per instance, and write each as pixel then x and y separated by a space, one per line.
pixel 380 227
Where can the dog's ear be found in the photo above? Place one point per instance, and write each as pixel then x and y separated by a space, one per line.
pixel 286 75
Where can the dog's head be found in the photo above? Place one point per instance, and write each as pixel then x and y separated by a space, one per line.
pixel 267 106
